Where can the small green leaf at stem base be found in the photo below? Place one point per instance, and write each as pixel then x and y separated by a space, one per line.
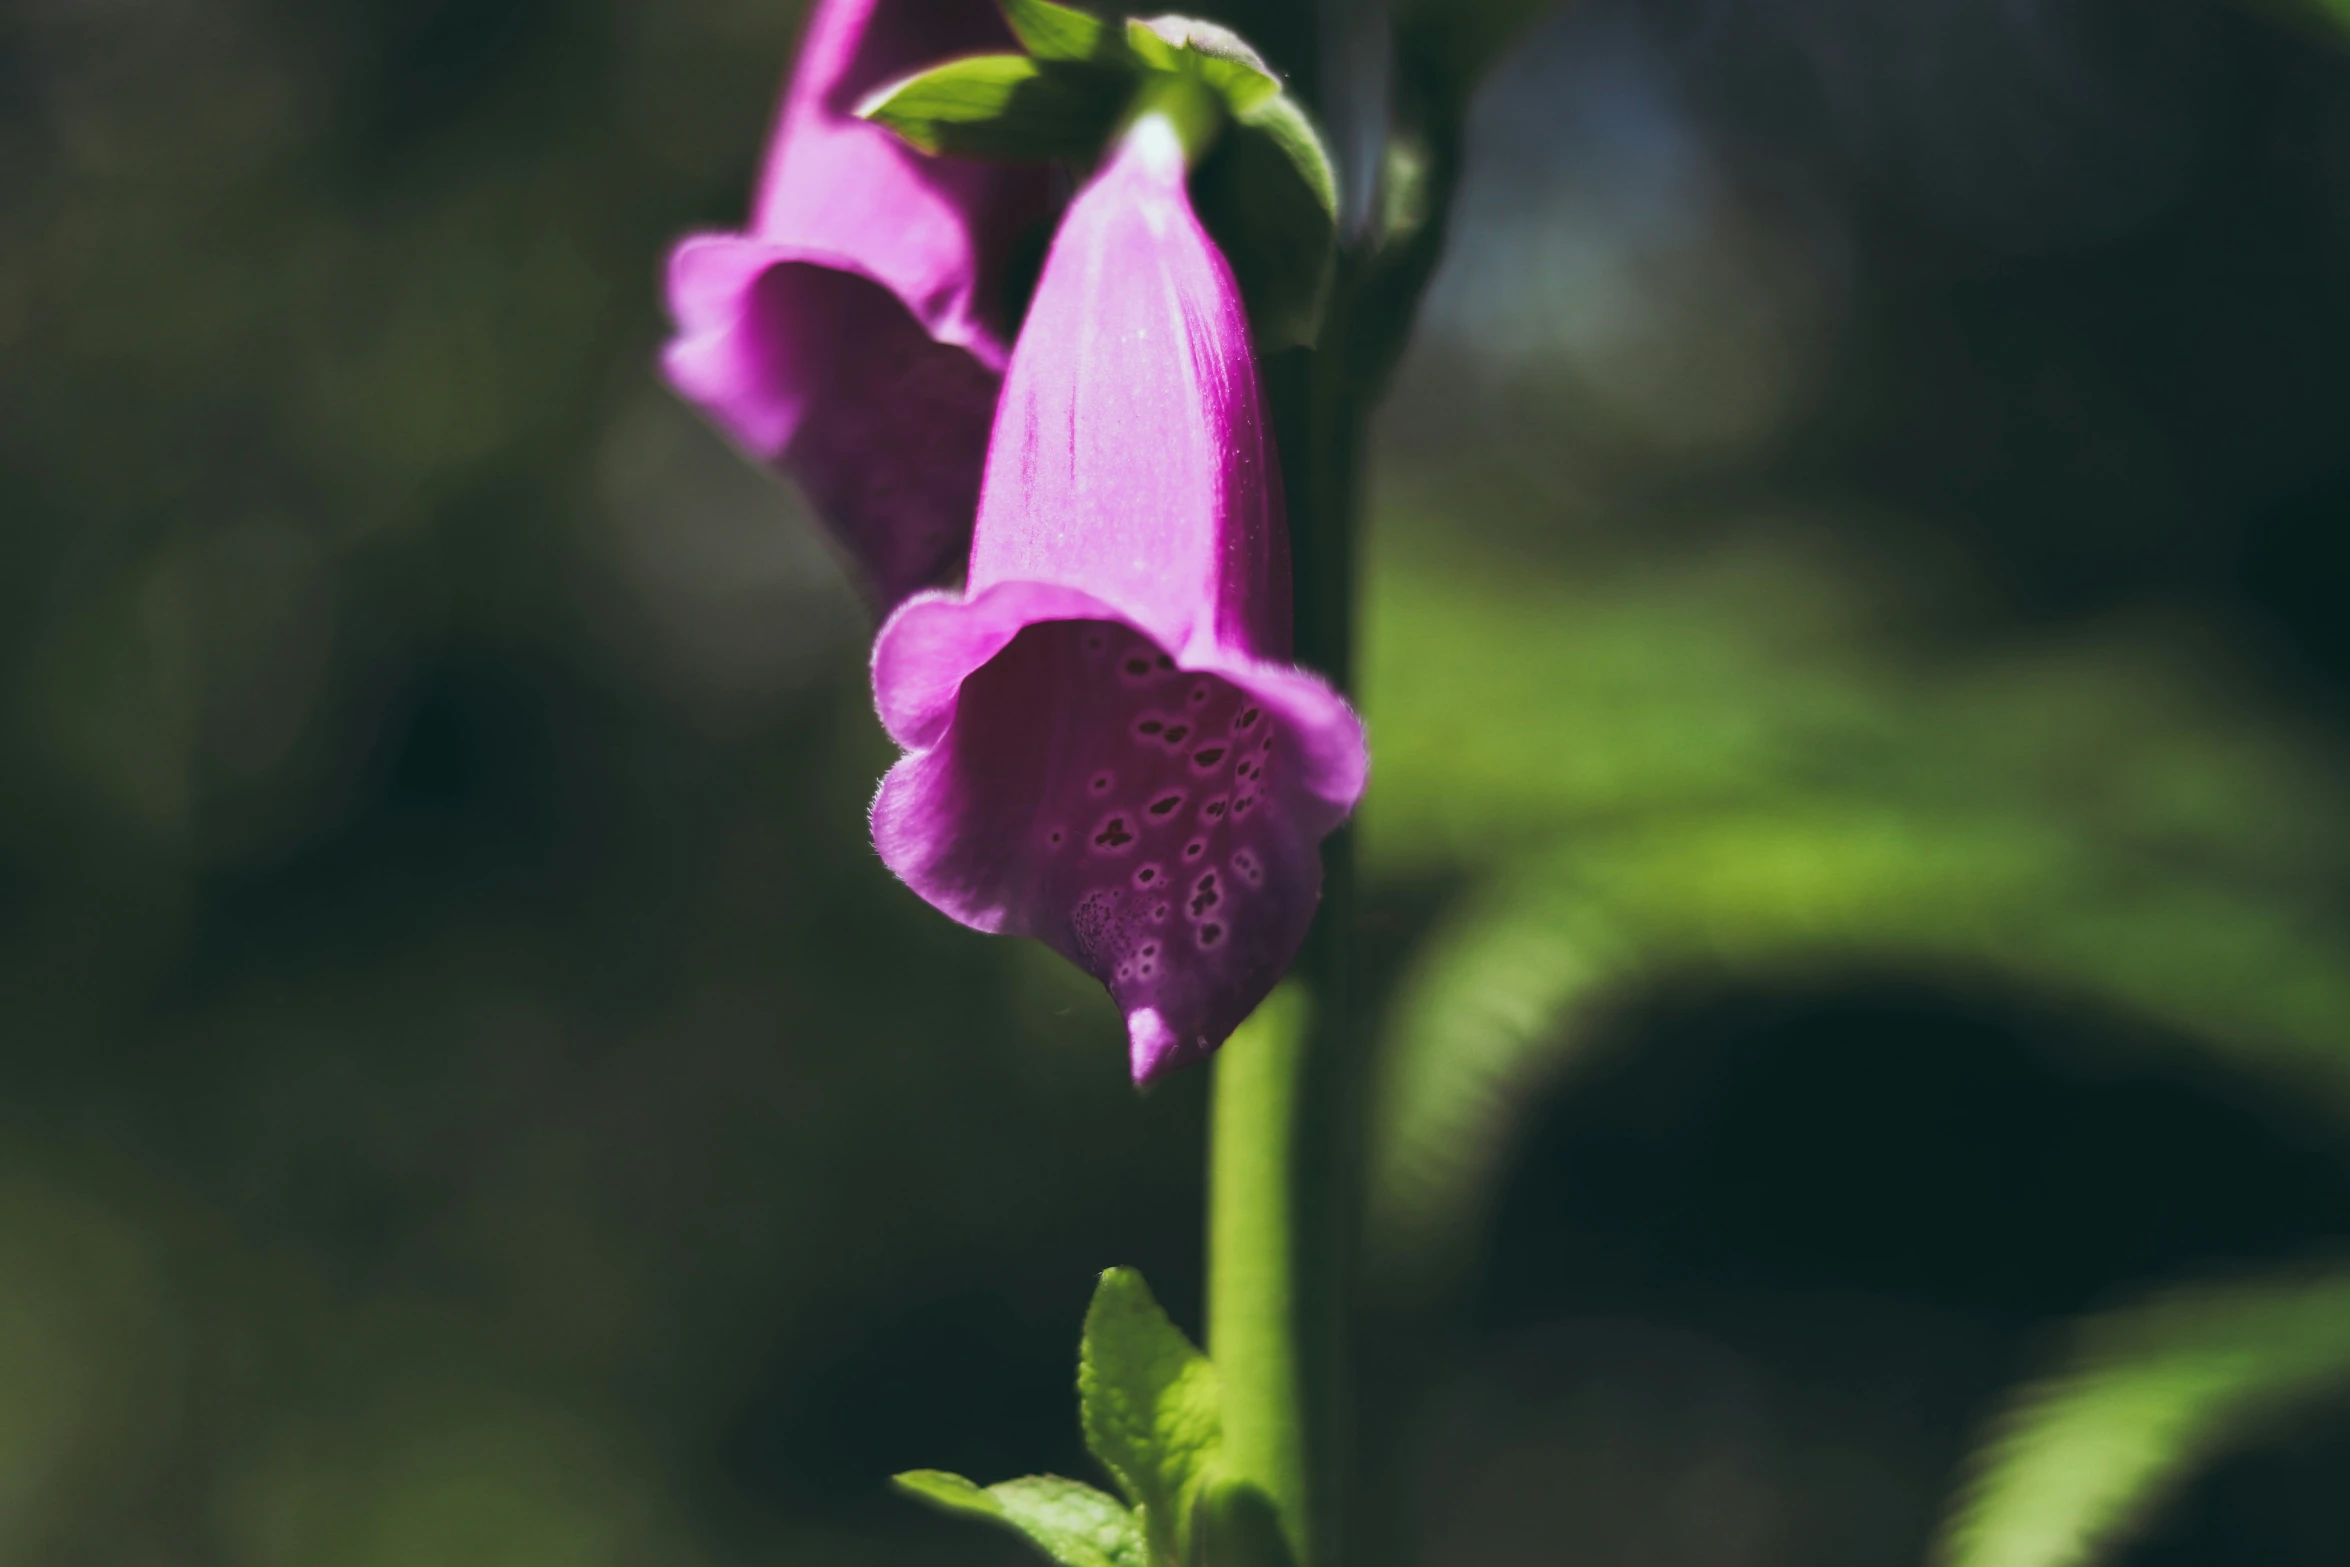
pixel 1151 1408
pixel 1004 108
pixel 1070 1522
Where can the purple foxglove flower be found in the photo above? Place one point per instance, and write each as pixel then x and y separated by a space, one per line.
pixel 855 335
pixel 1105 747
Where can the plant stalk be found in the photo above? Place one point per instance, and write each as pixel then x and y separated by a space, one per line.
pixel 1282 1156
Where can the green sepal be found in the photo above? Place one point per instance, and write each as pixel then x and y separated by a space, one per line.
pixel 1264 186
pixel 1003 107
pixel 1151 1407
pixel 1063 32
pixel 1071 1522
pixel 1216 55
pixel 1269 196
pixel 1266 190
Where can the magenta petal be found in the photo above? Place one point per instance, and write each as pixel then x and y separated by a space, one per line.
pixel 855 334
pixel 934 231
pixel 827 373
pixel 1131 454
pixel 1159 826
pixel 1105 749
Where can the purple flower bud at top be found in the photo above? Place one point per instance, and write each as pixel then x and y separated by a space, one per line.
pixel 855 335
pixel 1106 748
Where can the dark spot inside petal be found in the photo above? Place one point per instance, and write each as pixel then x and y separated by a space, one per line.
pixel 1113 834
pixel 1090 921
pixel 1165 804
pixel 1138 666
pixel 1101 783
pixel 1160 912
pixel 1241 805
pixel 1146 875
pixel 1199 694
pixel 1208 756
pixel 1210 934
pixel 1149 726
pixel 1194 849
pixel 1212 810
pixel 1248 716
pixel 1165 662
pixel 1176 732
pixel 1055 840
pixel 1204 895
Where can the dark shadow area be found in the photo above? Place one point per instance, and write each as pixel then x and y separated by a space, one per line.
pixel 1769 1264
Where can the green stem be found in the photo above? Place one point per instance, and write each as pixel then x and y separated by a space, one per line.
pixel 1281 1209
pixel 1283 1167
pixel 1254 1264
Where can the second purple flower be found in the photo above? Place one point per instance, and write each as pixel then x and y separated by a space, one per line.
pixel 853 335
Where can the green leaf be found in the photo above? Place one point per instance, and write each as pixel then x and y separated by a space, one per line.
pixel 2081 1461
pixel 1266 189
pixel 1063 32
pixel 1214 54
pixel 1286 126
pixel 1004 107
pixel 1504 1002
pixel 1070 1522
pixel 1150 1405
pixel 1521 699
pixel 1268 195
pixel 1737 761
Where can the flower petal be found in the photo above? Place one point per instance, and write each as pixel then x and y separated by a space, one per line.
pixel 1104 748
pixel 826 372
pixel 856 334
pixel 1158 825
pixel 1131 455
pixel 937 232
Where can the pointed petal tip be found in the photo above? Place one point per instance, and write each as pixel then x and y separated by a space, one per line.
pixel 1154 1049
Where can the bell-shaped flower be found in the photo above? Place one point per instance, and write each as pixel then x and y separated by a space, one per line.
pixel 856 334
pixel 1105 746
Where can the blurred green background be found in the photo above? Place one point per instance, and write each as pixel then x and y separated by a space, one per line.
pixel 1858 863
